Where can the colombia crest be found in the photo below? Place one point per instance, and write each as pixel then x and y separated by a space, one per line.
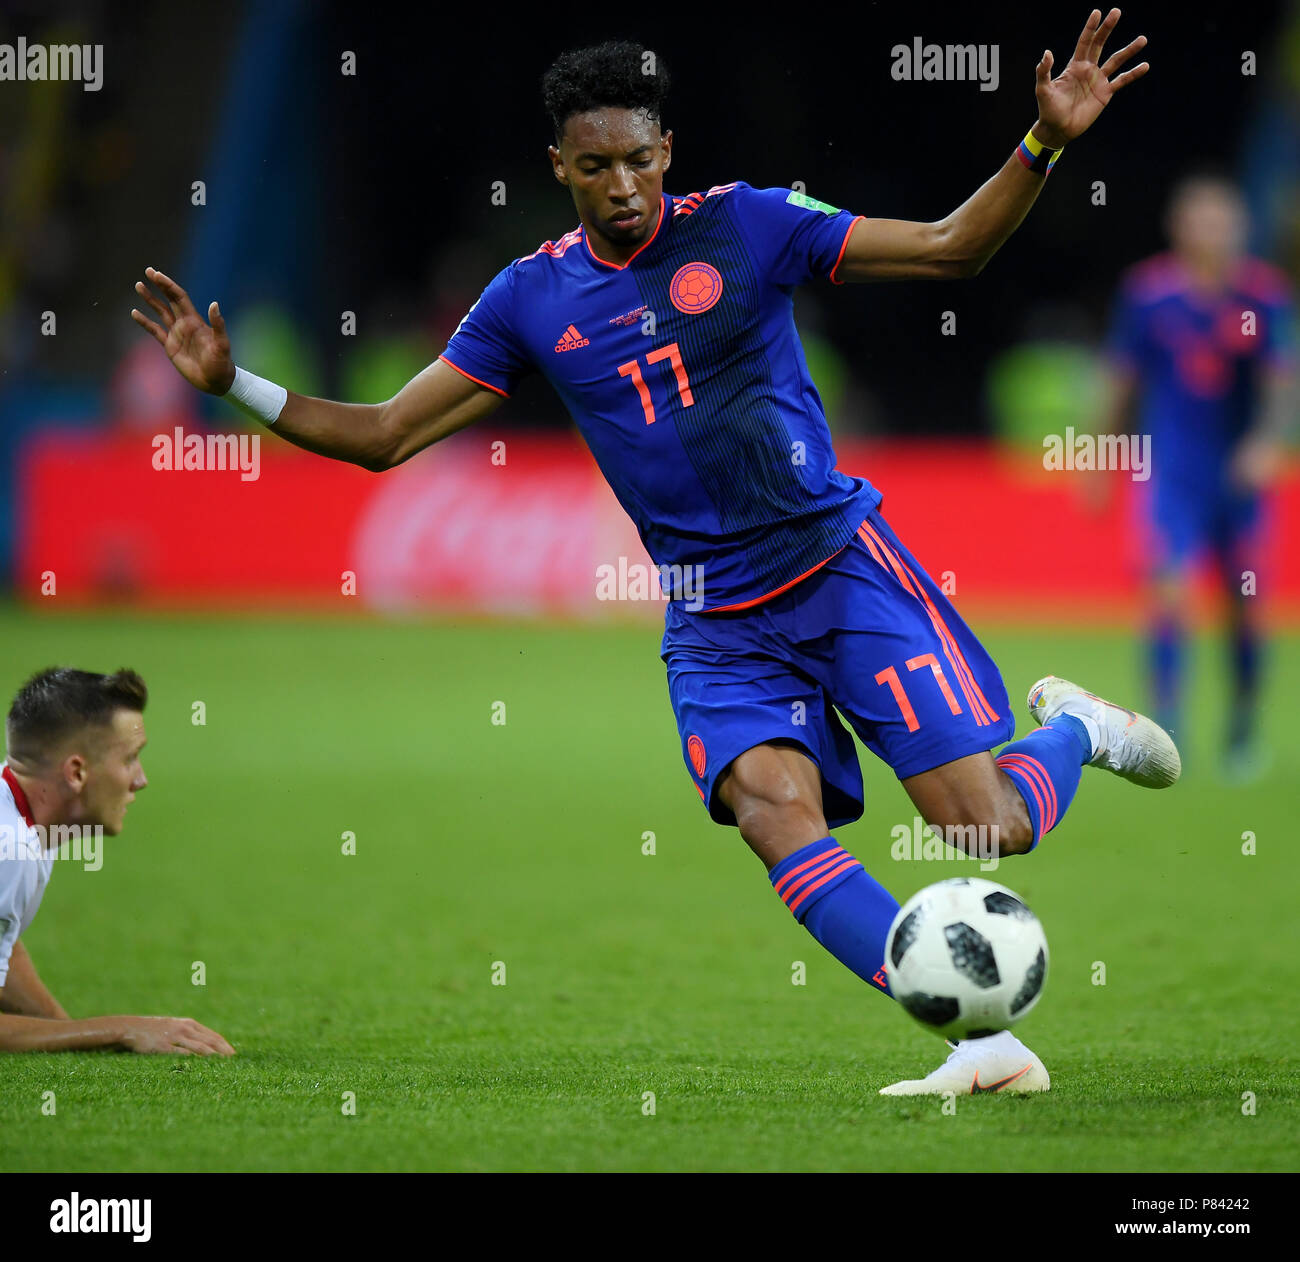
pixel 695 288
pixel 695 747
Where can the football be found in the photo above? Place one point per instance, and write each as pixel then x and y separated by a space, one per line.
pixel 966 957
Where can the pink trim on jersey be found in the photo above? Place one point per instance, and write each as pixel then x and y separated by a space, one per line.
pixel 555 249
pixel 689 204
pixel 487 384
pixel 853 223
pixel 618 267
pixel 785 587
pixel 20 798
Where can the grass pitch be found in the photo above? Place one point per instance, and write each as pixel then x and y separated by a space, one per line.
pixel 481 845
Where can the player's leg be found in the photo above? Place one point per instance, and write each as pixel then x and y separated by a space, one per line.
pixel 1167 646
pixel 1019 796
pixel 1237 553
pixel 769 755
pixel 1245 641
pixel 1172 525
pixel 925 696
pixel 774 791
pixel 968 793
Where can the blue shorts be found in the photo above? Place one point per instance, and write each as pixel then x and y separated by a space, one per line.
pixel 869 634
pixel 1186 524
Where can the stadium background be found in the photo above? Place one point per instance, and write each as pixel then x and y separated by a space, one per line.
pixel 364 705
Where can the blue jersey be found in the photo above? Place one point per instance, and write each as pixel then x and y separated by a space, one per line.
pixel 1198 359
pixel 684 373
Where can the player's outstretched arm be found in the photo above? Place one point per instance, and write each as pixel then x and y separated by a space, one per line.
pixel 962 243
pixel 177 1036
pixel 376 436
pixel 23 992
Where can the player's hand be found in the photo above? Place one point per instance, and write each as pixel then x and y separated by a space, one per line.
pixel 175 1036
pixel 199 352
pixel 1069 104
pixel 1255 464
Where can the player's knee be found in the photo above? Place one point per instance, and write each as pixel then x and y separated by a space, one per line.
pixel 776 811
pixel 779 828
pixel 1015 833
pixel 988 830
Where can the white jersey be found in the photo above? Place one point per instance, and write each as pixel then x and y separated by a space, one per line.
pixel 25 867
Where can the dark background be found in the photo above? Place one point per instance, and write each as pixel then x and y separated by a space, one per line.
pixel 373 193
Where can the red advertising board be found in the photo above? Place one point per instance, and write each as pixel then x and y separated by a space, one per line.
pixel 518 524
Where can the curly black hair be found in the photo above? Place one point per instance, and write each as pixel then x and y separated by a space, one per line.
pixel 617 73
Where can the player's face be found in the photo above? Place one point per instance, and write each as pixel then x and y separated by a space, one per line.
pixel 613 161
pixel 113 774
pixel 1208 223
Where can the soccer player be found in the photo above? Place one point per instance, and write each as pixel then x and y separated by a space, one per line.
pixel 665 324
pixel 1202 351
pixel 73 740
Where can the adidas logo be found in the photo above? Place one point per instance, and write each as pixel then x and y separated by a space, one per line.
pixel 571 340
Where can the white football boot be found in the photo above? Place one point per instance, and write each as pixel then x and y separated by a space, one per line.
pixel 997 1062
pixel 1125 742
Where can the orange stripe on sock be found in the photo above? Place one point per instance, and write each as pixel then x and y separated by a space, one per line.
pixel 1036 774
pixel 1036 768
pixel 803 867
pixel 850 862
pixel 1048 786
pixel 1008 763
pixel 792 890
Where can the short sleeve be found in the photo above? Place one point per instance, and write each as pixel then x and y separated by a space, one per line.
pixel 1126 338
pixel 10 919
pixel 795 238
pixel 485 346
pixel 8 939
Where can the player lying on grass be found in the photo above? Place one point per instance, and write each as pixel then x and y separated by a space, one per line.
pixel 665 324
pixel 73 741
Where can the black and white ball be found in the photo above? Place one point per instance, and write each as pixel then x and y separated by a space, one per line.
pixel 966 957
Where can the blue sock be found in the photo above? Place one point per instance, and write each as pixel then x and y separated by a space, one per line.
pixel 1166 654
pixel 1045 767
pixel 832 896
pixel 1245 671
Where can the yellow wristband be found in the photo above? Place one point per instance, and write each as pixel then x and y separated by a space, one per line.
pixel 1036 156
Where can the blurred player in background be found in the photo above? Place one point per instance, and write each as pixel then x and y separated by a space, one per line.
pixel 73 741
pixel 1202 361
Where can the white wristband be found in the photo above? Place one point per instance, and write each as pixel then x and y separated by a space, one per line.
pixel 256 397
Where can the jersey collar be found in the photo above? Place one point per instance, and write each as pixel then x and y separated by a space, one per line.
pixel 20 798
pixel 664 211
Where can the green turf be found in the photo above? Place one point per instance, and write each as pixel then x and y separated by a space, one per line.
pixel 626 974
